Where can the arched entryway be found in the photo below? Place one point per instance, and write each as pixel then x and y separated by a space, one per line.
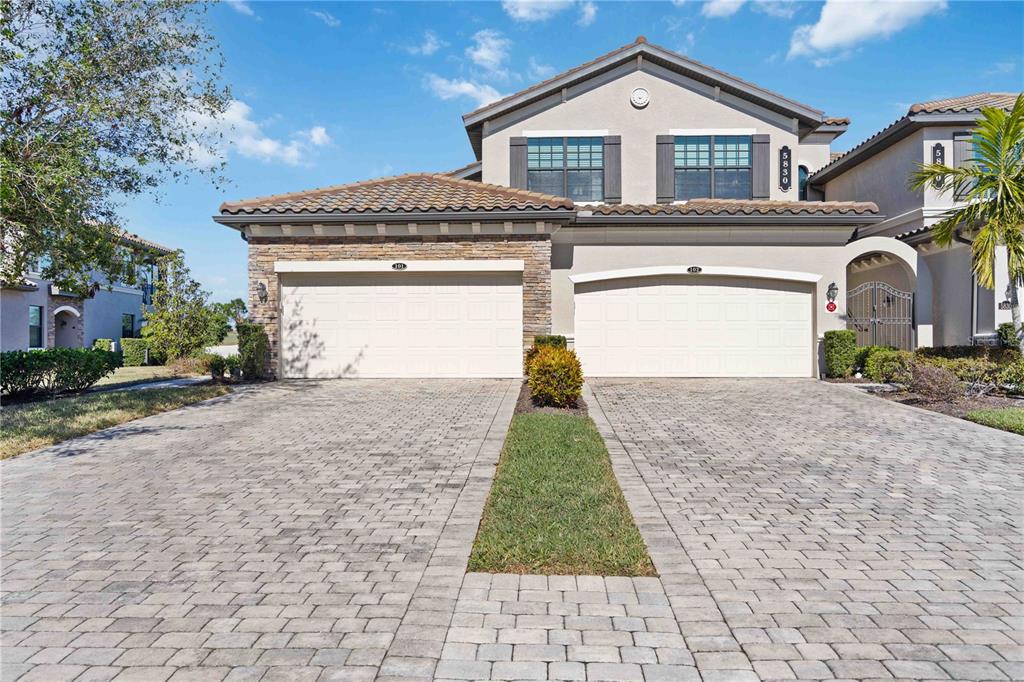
pixel 67 328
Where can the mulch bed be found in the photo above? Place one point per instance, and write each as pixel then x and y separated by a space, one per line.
pixel 847 380
pixel 526 405
pixel 958 408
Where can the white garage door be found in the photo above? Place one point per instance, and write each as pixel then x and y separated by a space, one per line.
pixel 677 326
pixel 402 325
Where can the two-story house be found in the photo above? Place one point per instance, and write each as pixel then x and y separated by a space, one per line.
pixel 931 132
pixel 652 209
pixel 35 313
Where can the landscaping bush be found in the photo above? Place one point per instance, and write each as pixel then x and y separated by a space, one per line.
pixel 840 352
pixel 103 344
pixel 193 364
pixel 233 362
pixel 253 346
pixel 860 362
pixel 1007 337
pixel 1012 376
pixel 217 365
pixel 553 340
pixel 935 383
pixel 55 370
pixel 991 353
pixel 889 366
pixel 555 377
pixel 133 352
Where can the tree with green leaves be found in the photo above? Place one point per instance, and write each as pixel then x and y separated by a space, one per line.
pixel 178 322
pixel 99 101
pixel 224 317
pixel 992 208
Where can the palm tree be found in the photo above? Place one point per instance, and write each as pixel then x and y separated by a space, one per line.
pixel 990 192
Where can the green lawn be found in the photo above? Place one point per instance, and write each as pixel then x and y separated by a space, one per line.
pixel 134 375
pixel 36 425
pixel 1008 418
pixel 230 340
pixel 555 506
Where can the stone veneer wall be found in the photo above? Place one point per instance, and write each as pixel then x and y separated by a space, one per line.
pixel 534 250
pixel 77 323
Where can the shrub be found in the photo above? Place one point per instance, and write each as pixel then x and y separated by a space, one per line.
pixel 889 366
pixel 193 364
pixel 840 352
pixel 217 365
pixel 103 344
pixel 556 377
pixel 553 340
pixel 1007 337
pixel 134 352
pixel 233 362
pixel 997 355
pixel 860 362
pixel 253 346
pixel 1012 376
pixel 935 383
pixel 55 370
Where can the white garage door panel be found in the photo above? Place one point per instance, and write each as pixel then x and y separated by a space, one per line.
pixel 694 326
pixel 402 325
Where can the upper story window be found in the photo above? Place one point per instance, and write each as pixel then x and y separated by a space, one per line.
pixel 566 166
pixel 713 167
pixel 802 176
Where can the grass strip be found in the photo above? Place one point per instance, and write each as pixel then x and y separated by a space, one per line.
pixel 1007 419
pixel 555 507
pixel 36 425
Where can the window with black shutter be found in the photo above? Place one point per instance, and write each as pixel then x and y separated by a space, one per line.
pixel 566 166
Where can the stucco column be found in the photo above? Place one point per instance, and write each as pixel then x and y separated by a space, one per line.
pixel 1002 282
pixel 923 295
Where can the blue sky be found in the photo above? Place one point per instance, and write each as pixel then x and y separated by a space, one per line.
pixel 336 92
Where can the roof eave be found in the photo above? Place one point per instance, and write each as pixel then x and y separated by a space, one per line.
pixel 240 219
pixel 842 220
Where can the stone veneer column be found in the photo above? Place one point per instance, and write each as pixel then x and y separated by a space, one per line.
pixel 54 302
pixel 534 250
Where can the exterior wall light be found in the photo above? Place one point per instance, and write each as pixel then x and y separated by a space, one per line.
pixel 262 292
pixel 832 292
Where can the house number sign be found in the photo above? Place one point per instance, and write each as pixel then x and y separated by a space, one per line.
pixel 398 266
pixel 694 269
pixel 785 168
pixel 938 157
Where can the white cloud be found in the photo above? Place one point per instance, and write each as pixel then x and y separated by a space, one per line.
pixel 717 9
pixel 326 17
pixel 844 24
pixel 1003 68
pixel 431 44
pixel 534 10
pixel 539 71
pixel 241 6
pixel 783 9
pixel 236 130
pixel 449 89
pixel 489 50
pixel 318 136
pixel 588 12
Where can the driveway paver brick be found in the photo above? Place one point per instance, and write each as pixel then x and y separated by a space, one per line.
pixel 833 534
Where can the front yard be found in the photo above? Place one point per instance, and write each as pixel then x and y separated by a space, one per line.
pixel 36 425
pixel 126 376
pixel 1008 419
pixel 555 506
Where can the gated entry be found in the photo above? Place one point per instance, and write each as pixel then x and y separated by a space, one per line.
pixel 881 315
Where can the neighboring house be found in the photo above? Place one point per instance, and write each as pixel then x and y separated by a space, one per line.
pixel 35 313
pixel 879 168
pixel 650 208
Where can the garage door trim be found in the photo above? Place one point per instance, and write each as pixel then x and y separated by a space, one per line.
pixel 717 270
pixel 481 265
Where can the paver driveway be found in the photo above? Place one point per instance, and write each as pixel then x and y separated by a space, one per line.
pixel 839 535
pixel 295 531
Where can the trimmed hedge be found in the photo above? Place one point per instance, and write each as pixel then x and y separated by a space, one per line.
pixel 1013 377
pixel 840 352
pixel 54 371
pixel 552 340
pixel 889 366
pixel 134 352
pixel 102 344
pixel 991 353
pixel 253 347
pixel 555 377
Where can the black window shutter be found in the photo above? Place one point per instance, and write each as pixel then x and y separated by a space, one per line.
pixel 762 172
pixel 665 179
pixel 963 155
pixel 612 169
pixel 517 162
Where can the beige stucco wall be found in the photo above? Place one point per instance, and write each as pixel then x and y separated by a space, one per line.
pixel 603 105
pixel 587 250
pixel 883 178
pixel 952 282
pixel 894 274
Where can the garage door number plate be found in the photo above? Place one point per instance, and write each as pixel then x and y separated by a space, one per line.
pixel 694 269
pixel 398 266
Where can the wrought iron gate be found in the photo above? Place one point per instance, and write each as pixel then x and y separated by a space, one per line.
pixel 881 315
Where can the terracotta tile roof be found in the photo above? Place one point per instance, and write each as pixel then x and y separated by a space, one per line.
pixel 975 102
pixel 832 156
pixel 414 192
pixel 135 239
pixel 742 207
pixel 968 104
pixel 836 121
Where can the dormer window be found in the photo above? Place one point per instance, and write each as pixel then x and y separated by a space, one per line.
pixel 713 167
pixel 566 166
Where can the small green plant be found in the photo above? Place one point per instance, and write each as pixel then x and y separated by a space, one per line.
pixel 860 362
pixel 1012 376
pixel 134 352
pixel 103 344
pixel 253 348
pixel 555 377
pixel 889 366
pixel 840 352
pixel 233 362
pixel 1007 337
pixel 217 365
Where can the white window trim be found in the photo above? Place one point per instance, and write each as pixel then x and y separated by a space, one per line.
pixel 706 270
pixel 711 131
pixel 385 266
pixel 565 133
